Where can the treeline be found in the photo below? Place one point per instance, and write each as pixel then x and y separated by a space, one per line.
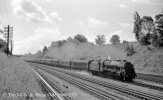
pixel 149 31
pixel 80 43
pixel 77 41
pixel 79 38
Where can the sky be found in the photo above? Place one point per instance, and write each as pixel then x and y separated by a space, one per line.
pixel 37 23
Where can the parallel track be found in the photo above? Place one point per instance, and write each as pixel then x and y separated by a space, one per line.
pixel 139 83
pixel 150 77
pixel 44 81
pixel 147 85
pixel 124 90
pixel 93 90
pixel 142 84
pixel 154 78
pixel 46 88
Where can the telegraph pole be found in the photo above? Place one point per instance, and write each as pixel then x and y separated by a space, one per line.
pixel 8 35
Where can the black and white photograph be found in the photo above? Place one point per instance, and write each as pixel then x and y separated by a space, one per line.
pixel 81 49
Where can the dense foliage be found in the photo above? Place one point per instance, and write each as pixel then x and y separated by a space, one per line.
pixel 147 31
pixel 137 25
pixel 115 39
pixel 158 36
pixel 3 45
pixel 100 39
pixel 45 49
pixel 80 38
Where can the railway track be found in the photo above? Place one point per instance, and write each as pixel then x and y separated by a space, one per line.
pixel 49 86
pixel 142 84
pixel 138 83
pixel 150 77
pixel 130 92
pixel 102 94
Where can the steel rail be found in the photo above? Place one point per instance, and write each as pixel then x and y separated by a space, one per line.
pixel 128 91
pixel 47 86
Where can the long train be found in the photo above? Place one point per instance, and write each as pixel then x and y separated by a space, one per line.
pixel 120 69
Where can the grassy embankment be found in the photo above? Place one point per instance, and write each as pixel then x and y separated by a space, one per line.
pixel 17 78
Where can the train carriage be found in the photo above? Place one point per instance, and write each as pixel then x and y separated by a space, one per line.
pixel 47 61
pixel 79 64
pixel 55 62
pixel 64 64
pixel 41 61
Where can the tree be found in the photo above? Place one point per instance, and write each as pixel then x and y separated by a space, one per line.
pixel 3 45
pixel 137 25
pixel 53 44
pixel 125 41
pixel 147 29
pixel 144 40
pixel 147 25
pixel 80 38
pixel 60 43
pixel 45 49
pixel 157 38
pixel 143 29
pixel 100 39
pixel 115 39
pixel 69 39
pixel 1 31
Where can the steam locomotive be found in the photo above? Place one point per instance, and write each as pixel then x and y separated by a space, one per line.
pixel 120 69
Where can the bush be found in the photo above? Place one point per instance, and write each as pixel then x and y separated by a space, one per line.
pixel 157 42
pixel 80 38
pixel 125 41
pixel 3 45
pixel 149 48
pixel 130 50
pixel 144 40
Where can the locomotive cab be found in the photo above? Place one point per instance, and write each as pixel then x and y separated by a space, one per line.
pixel 95 66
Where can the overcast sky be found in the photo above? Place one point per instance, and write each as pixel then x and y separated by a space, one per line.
pixel 39 22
